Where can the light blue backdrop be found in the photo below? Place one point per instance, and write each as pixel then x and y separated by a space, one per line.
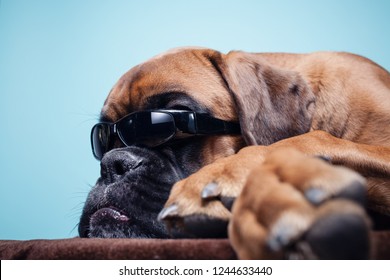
pixel 59 59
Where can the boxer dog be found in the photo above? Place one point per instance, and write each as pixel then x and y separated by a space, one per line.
pixel 286 154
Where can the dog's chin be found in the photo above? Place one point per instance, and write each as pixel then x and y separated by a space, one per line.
pixel 109 222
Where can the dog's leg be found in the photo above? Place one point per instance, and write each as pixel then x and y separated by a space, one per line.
pixel 205 193
pixel 294 206
pixel 373 162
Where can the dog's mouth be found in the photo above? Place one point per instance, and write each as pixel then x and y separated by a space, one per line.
pixel 123 210
pixel 106 215
pixel 109 213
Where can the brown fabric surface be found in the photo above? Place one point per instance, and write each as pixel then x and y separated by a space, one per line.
pixel 98 249
pixel 381 245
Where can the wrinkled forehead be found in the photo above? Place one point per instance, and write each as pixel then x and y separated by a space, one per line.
pixel 178 73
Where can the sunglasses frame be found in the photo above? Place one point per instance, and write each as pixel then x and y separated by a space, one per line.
pixel 186 124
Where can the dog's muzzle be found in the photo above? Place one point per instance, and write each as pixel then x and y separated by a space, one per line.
pixel 134 184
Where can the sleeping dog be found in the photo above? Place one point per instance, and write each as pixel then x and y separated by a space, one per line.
pixel 286 154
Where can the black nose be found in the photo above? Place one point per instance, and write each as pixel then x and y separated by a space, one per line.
pixel 117 164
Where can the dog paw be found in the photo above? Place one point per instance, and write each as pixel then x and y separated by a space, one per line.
pixel 300 207
pixel 200 205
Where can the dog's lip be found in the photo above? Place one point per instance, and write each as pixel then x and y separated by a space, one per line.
pixel 109 212
pixel 102 215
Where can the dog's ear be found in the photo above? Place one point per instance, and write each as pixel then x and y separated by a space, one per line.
pixel 272 103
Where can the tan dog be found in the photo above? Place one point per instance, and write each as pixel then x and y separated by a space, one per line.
pixel 290 107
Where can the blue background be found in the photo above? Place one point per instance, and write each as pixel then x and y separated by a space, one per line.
pixel 59 59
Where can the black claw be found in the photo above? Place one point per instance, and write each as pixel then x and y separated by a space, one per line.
pixel 228 201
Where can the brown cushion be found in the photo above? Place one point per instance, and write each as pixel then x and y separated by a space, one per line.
pixel 78 248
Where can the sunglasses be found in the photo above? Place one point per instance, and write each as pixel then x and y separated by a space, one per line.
pixel 156 127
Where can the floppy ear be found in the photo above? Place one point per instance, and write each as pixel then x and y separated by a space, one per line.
pixel 272 103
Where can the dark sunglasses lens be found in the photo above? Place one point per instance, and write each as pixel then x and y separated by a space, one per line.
pixel 100 137
pixel 147 128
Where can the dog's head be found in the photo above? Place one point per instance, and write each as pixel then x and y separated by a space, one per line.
pixel 136 179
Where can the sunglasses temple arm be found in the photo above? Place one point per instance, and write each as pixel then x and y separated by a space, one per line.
pixel 209 125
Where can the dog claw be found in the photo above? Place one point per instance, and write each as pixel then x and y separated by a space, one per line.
pixel 168 212
pixel 327 159
pixel 228 202
pixel 315 195
pixel 211 190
